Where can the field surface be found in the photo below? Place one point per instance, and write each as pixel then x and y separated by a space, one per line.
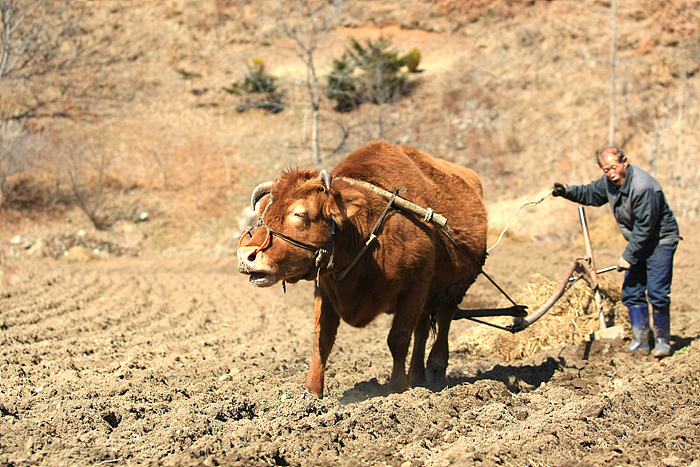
pixel 178 361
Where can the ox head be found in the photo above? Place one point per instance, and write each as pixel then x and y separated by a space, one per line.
pixel 294 235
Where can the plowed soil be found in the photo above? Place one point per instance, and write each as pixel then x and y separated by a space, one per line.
pixel 178 361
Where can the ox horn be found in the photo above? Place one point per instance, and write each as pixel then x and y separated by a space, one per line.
pixel 326 177
pixel 260 191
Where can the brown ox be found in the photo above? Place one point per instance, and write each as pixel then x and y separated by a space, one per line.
pixel 313 227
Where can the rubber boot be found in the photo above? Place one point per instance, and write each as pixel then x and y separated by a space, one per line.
pixel 662 331
pixel 639 319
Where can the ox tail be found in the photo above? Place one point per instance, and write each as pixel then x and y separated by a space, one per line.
pixel 448 299
pixel 433 322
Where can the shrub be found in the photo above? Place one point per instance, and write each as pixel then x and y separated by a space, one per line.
pixel 412 59
pixel 19 152
pixel 369 72
pixel 259 89
pixel 342 85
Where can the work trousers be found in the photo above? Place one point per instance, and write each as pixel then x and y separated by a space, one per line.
pixel 650 278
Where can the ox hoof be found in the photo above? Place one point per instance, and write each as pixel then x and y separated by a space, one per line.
pixel 316 391
pixel 415 382
pixel 435 377
pixel 397 387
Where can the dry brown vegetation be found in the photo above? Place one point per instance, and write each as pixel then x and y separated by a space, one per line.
pixel 572 320
pixel 519 91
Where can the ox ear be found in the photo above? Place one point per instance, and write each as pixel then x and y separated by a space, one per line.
pixel 341 206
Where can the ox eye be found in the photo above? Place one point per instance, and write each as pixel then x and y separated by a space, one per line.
pixel 300 215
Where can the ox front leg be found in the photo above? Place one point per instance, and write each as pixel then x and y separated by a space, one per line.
pixel 440 353
pixel 399 341
pixel 326 323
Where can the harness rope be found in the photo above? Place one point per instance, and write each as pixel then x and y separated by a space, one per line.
pixel 340 275
pixel 481 269
pixel 528 203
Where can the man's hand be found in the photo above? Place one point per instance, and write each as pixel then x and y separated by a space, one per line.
pixel 622 264
pixel 559 189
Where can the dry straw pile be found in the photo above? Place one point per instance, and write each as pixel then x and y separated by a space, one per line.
pixel 571 320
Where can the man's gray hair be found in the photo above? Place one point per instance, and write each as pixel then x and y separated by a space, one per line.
pixel 614 150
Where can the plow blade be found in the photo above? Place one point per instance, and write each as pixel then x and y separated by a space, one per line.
pixel 609 333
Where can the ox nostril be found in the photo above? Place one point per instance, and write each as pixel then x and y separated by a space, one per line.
pixel 247 255
pixel 252 255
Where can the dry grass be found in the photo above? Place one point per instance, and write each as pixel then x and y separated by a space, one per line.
pixel 571 320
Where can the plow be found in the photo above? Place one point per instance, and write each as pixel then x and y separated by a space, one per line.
pixel 580 268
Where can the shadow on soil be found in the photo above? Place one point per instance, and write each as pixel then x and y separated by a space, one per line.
pixel 515 379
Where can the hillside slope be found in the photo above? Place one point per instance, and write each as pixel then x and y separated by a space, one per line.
pixel 519 91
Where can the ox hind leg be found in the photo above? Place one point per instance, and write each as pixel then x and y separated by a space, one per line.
pixel 408 315
pixel 326 322
pixel 416 370
pixel 437 360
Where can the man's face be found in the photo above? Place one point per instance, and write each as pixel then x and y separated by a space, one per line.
pixel 615 170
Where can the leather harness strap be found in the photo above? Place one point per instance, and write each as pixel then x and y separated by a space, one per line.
pixel 340 275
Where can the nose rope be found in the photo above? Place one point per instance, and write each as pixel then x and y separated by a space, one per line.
pixel 260 221
pixel 264 244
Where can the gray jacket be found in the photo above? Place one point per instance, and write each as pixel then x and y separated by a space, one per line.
pixel 639 207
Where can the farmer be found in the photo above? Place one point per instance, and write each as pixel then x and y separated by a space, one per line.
pixel 649 226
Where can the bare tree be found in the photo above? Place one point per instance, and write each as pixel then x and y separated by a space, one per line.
pixel 86 170
pixel 18 32
pixel 18 151
pixel 384 83
pixel 613 47
pixel 33 39
pixel 303 22
pixel 661 127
